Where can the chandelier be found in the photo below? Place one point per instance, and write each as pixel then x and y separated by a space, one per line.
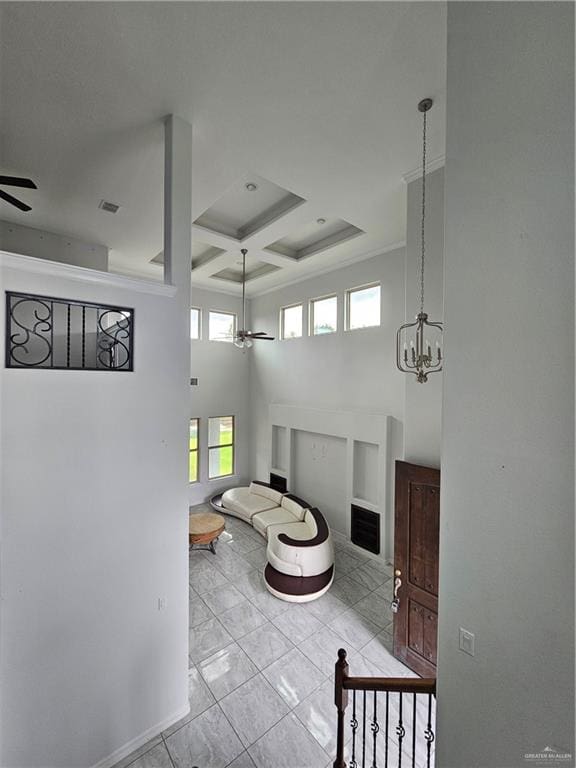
pixel 414 351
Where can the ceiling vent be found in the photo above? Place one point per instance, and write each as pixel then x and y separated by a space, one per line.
pixel 105 205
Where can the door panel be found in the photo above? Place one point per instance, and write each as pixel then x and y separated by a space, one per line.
pixel 416 539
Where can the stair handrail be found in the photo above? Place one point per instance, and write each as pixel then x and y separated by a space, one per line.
pixel 343 683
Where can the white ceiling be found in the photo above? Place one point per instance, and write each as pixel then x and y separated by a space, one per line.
pixel 317 98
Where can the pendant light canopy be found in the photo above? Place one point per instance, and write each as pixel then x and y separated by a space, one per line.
pixel 419 344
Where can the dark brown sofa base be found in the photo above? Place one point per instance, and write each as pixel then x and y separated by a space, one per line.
pixel 297 586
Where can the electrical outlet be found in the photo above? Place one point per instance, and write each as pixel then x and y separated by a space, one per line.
pixel 161 603
pixel 467 641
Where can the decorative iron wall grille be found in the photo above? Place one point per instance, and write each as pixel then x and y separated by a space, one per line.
pixel 62 334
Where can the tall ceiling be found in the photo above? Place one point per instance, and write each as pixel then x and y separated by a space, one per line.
pixel 315 101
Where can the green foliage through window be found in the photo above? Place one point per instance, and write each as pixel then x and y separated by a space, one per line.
pixel 193 452
pixel 221 440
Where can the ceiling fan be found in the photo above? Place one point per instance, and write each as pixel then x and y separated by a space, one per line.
pixel 244 339
pixel 15 181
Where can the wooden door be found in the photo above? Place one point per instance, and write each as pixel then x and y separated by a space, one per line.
pixel 416 534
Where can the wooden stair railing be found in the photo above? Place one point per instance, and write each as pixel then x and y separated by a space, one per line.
pixel 405 718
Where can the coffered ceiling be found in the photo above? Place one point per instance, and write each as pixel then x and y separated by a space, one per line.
pixel 312 105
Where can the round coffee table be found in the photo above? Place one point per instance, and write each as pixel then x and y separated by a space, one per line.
pixel 204 529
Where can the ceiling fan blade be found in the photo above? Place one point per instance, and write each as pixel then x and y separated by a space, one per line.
pixel 16 181
pixel 14 201
pixel 263 338
pixel 258 333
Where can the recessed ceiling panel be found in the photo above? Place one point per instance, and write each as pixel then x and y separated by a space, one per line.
pixel 201 254
pixel 249 205
pixel 254 269
pixel 317 236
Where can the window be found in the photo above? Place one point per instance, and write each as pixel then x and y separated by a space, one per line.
pixel 323 315
pixel 220 446
pixel 221 326
pixel 291 322
pixel 194 323
pixel 193 448
pixel 363 307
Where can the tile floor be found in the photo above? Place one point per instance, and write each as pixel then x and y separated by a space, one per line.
pixel 261 669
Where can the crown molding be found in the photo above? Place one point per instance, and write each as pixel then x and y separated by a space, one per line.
pixel 431 166
pixel 331 268
pixel 84 275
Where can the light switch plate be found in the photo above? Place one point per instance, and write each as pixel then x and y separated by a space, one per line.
pixel 467 641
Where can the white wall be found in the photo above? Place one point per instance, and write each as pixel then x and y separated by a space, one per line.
pixel 222 371
pixel 348 370
pixel 423 409
pixel 17 238
pixel 507 517
pixel 93 531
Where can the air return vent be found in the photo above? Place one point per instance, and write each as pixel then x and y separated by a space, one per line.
pixel 109 207
pixel 366 529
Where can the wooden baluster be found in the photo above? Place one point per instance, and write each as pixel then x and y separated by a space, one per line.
pixel 341 701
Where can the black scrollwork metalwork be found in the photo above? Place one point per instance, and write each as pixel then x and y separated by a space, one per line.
pixel 354 726
pixel 375 728
pixel 113 339
pixel 30 318
pixel 53 333
pixel 429 733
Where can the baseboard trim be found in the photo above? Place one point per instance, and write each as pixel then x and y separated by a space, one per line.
pixel 139 741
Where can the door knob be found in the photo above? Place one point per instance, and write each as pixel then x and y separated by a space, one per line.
pixel 397 584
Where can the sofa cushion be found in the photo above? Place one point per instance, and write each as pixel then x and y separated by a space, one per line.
pixel 296 530
pixel 245 503
pixel 263 520
pixel 313 556
pixel 263 489
pixel 295 505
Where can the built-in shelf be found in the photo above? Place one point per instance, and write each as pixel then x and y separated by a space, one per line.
pixel 365 471
pixel 279 448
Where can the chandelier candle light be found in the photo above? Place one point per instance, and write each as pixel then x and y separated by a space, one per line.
pixel 416 356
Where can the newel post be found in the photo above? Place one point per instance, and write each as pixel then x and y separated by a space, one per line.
pixel 341 701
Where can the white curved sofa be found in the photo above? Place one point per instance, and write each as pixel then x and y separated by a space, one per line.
pixel 300 551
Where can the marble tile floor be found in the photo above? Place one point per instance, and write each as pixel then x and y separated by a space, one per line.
pixel 261 669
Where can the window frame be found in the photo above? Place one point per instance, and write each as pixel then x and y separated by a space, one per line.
pixel 311 303
pixel 227 445
pixel 356 289
pixel 199 310
pixel 234 324
pixel 196 451
pixel 282 310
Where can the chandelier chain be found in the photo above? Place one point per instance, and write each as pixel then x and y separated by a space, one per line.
pixel 423 214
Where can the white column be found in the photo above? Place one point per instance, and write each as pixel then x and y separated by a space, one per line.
pixel 178 203
pixel 177 272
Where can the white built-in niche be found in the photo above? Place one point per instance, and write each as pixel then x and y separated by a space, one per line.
pixel 333 459
pixel 365 472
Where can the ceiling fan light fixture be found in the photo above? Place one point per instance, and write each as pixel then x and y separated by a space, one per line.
pixel 244 339
pixel 16 181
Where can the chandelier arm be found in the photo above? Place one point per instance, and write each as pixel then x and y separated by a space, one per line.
pixel 404 365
